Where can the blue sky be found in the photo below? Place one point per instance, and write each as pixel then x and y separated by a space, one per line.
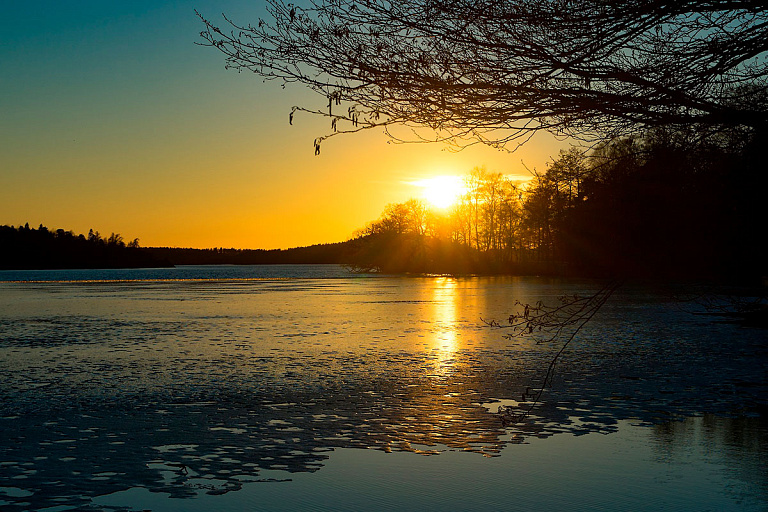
pixel 112 118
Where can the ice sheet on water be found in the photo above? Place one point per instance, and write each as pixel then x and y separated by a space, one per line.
pixel 109 390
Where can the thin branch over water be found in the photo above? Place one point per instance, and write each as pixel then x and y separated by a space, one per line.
pixel 560 324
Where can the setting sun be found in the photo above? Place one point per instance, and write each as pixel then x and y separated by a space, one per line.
pixel 441 191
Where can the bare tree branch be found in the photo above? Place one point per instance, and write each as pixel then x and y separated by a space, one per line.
pixel 560 324
pixel 494 71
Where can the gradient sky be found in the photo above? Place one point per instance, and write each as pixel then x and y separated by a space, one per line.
pixel 111 118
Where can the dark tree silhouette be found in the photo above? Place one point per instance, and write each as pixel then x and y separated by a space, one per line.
pixel 43 248
pixel 496 71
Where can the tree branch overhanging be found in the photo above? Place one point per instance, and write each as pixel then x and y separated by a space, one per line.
pixel 558 324
pixel 497 70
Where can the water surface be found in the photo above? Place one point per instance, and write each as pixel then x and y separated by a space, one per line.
pixel 273 388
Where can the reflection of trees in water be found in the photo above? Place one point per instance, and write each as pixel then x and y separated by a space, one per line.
pixel 741 443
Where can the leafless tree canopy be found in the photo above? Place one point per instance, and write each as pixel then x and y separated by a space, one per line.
pixel 498 70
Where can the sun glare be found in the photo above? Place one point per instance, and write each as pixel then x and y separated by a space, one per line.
pixel 441 191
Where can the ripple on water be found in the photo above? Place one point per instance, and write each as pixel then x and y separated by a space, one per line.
pixel 203 397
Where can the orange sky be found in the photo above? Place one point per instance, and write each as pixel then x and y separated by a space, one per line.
pixel 113 119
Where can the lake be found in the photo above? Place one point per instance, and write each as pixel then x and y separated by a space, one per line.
pixel 314 388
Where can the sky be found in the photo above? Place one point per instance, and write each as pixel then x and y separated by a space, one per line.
pixel 113 119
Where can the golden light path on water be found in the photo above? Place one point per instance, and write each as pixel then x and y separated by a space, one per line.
pixel 445 314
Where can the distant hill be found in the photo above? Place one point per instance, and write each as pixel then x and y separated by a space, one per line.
pixel 338 253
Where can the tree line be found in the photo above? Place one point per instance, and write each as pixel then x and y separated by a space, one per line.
pixel 651 205
pixel 44 248
pixel 25 248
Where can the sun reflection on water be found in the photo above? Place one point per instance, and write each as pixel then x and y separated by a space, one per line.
pixel 446 340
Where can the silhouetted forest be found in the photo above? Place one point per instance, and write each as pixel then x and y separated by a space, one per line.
pixel 43 248
pixel 662 205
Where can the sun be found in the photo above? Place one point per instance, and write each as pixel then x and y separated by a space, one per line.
pixel 441 191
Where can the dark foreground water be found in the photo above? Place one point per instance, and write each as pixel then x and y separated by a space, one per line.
pixel 310 388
